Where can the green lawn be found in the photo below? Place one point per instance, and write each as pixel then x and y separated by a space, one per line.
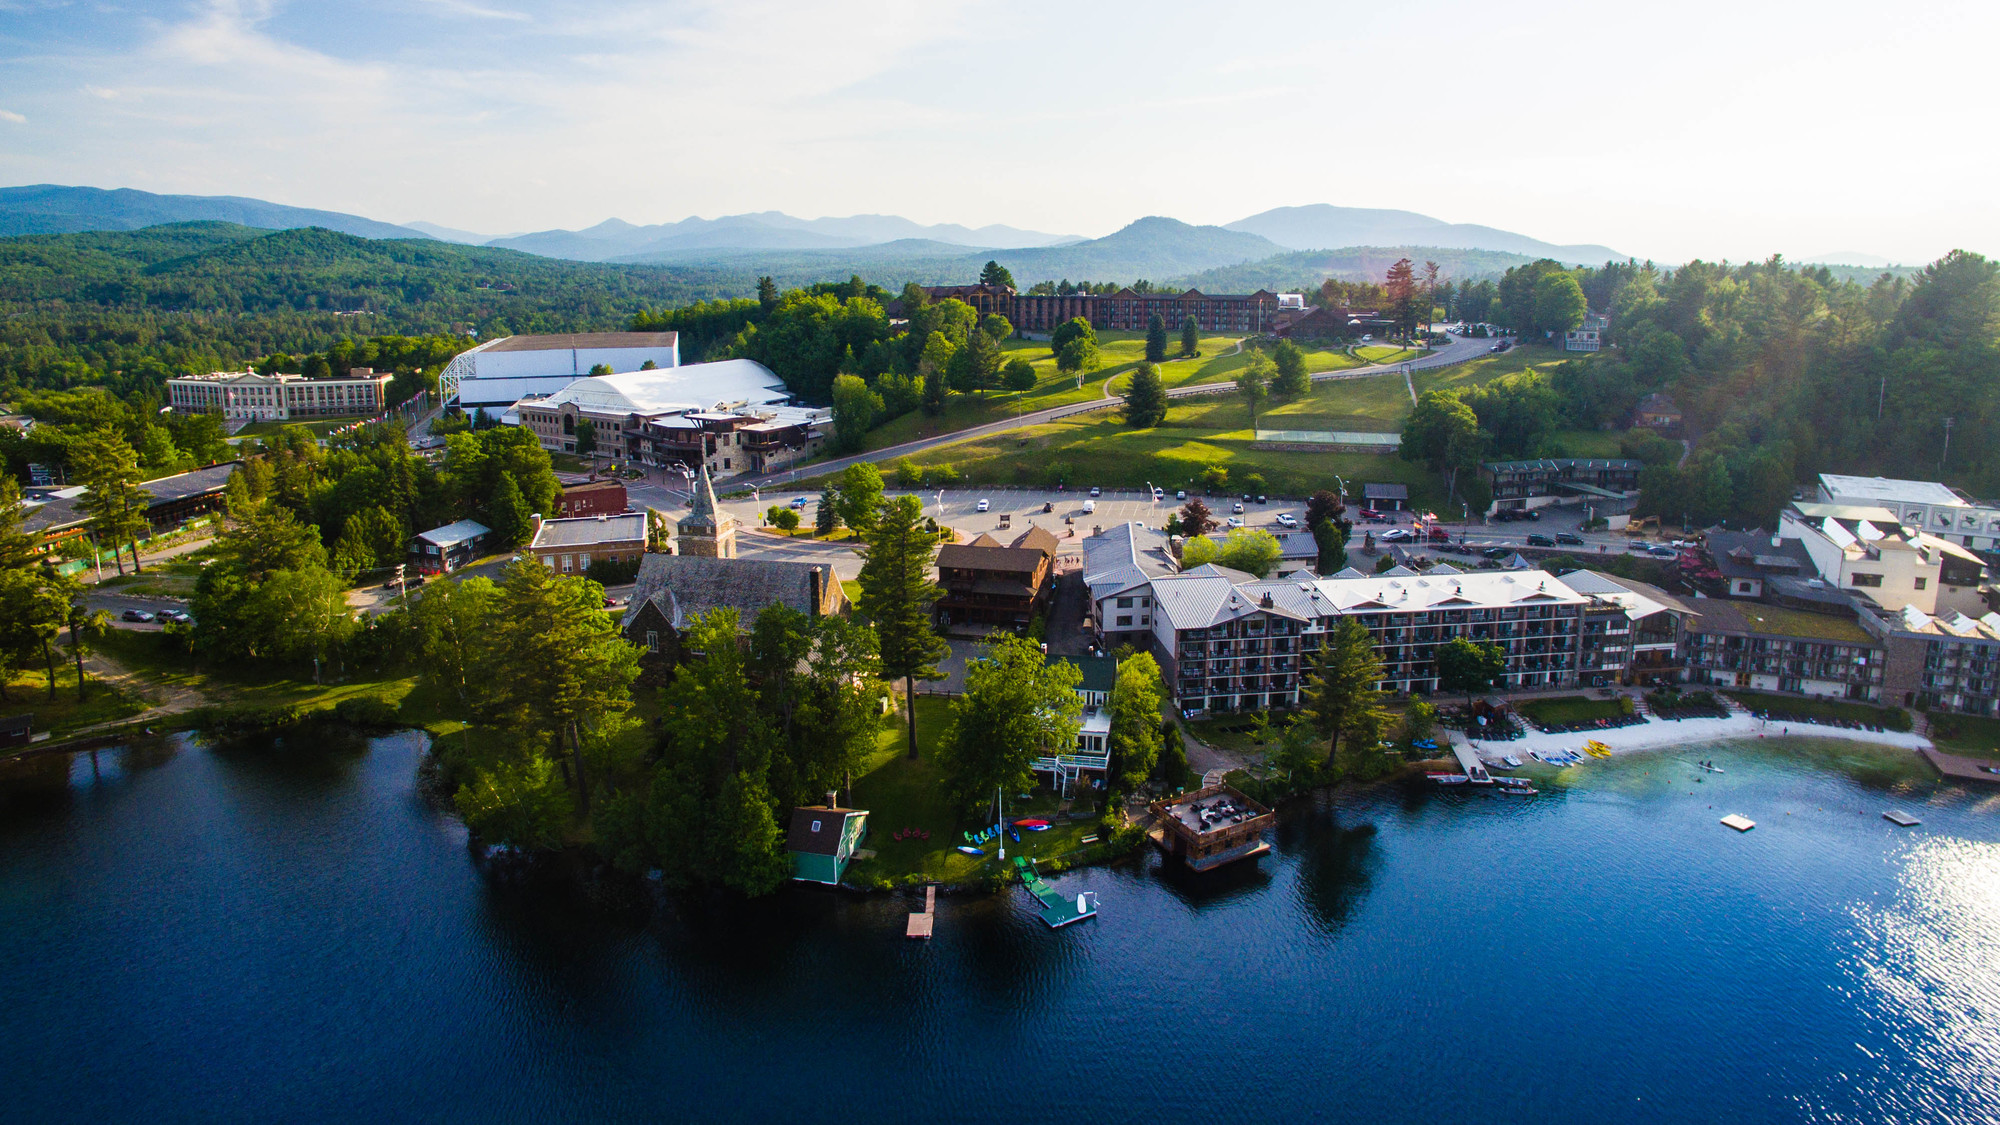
pixel 1387 353
pixel 1572 709
pixel 1820 708
pixel 155 658
pixel 27 694
pixel 1966 734
pixel 900 793
pixel 1098 449
pixel 1589 443
pixel 1474 372
pixel 318 427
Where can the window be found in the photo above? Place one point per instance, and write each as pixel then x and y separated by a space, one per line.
pixel 1125 619
pixel 652 640
pixel 1920 583
pixel 583 561
pixel 566 559
pixel 1124 603
pixel 1866 579
pixel 815 826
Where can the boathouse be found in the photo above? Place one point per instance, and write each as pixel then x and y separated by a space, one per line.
pixel 1210 827
pixel 823 841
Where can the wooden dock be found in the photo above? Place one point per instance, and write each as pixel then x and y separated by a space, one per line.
pixel 920 924
pixel 1963 768
pixel 1740 823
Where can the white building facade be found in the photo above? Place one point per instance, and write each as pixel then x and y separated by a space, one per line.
pixel 502 371
pixel 1924 504
pixel 249 396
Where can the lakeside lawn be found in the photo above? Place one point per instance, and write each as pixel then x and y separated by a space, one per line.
pixel 1970 735
pixel 1890 717
pixel 1571 709
pixel 28 694
pixel 900 793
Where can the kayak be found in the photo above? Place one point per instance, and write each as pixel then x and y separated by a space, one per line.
pixel 970 851
pixel 1031 822
pixel 1034 828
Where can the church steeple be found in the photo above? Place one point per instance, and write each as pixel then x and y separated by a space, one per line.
pixel 707 531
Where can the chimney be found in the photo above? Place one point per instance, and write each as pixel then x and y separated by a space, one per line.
pixel 1266 601
pixel 815 579
pixel 534 526
pixel 830 795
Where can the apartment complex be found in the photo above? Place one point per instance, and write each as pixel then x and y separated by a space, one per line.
pixel 1941 663
pixel 1770 648
pixel 249 396
pixel 1125 310
pixel 1610 482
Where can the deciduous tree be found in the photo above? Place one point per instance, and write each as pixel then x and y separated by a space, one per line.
pixel 1467 666
pixel 1136 698
pixel 1017 706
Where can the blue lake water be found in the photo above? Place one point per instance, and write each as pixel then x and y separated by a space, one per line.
pixel 290 933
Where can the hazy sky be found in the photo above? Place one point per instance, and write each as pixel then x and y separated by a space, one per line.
pixel 1672 130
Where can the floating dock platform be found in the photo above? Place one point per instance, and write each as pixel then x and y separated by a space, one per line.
pixel 1740 823
pixel 920 924
pixel 1057 910
pixel 1902 818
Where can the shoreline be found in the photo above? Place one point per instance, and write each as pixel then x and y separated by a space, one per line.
pixel 1657 734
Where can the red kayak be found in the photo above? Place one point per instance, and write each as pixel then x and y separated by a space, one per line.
pixel 1031 823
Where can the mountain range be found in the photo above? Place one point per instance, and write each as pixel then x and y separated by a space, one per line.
pixel 1286 246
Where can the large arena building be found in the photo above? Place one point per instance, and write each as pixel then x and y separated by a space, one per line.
pixel 499 373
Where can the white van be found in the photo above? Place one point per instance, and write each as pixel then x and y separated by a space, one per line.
pixel 1089 506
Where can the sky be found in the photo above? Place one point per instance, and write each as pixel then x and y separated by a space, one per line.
pixel 1671 131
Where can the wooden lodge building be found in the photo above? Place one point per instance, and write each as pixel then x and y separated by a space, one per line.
pixel 986 583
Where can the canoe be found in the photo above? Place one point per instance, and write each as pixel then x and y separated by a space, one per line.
pixel 1031 822
pixel 970 851
pixel 1448 778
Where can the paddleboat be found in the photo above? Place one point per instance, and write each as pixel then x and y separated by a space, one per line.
pixel 1033 823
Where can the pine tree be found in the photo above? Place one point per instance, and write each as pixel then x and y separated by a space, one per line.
pixel 826 518
pixel 1190 336
pixel 897 594
pixel 1291 380
pixel 512 521
pixel 1342 696
pixel 1156 339
pixel 1145 398
pixel 767 293
pixel 996 274
pixel 109 470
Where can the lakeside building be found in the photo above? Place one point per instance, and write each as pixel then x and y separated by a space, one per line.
pixel 1949 662
pixel 250 397
pixel 1869 553
pixel 1118 564
pixel 511 368
pixel 822 841
pixel 1092 753
pixel 1633 631
pixel 1926 505
pixel 1739 644
pixel 1610 484
pixel 731 416
pixel 670 590
pixel 986 583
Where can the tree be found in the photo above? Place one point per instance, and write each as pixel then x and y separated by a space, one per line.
pixel 996 326
pixel 1145 398
pixel 1430 279
pixel 517 801
pixel 860 497
pixel 1291 379
pixel 1018 705
pixel 586 436
pixel 1196 519
pixel 897 594
pixel 819 683
pixel 1464 665
pixel 1326 517
pixel 767 294
pixel 1251 550
pixel 826 517
pixel 1443 433
pixel 935 369
pixel 1253 383
pixel 1342 695
pixel 1018 376
pixel 1078 356
pixel 995 274
pixel 513 523
pixel 1215 478
pixel 787 520
pixel 600 369
pixel 1198 550
pixel 1136 699
pixel 976 366
pixel 109 471
pixel 1401 289
pixel 1156 339
pixel 855 411
pixel 1190 336
pixel 1559 303
pixel 1074 328
pixel 300 615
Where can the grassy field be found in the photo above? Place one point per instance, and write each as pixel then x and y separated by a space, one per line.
pixel 1966 734
pixel 1818 708
pixel 1474 372
pixel 1572 709
pixel 318 427
pixel 900 793
pixel 1387 353
pixel 27 694
pixel 1589 443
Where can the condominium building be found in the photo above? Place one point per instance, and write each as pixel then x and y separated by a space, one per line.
pixel 1733 643
pixel 1612 483
pixel 1950 662
pixel 249 396
pixel 1125 310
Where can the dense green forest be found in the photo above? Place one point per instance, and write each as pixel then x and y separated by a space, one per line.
pixel 1784 372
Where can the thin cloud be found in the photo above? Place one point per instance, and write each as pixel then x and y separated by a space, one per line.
pixel 10 115
pixel 478 11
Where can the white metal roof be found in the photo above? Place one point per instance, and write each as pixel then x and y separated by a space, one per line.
pixel 721 385
pixel 1889 490
pixel 452 534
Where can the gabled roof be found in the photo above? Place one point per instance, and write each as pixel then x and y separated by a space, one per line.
pixel 1038 538
pixel 452 534
pixel 984 540
pixel 680 586
pixel 1009 560
pixel 1125 556
pixel 817 829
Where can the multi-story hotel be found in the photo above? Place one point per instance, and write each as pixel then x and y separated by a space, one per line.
pixel 1124 310
pixel 248 396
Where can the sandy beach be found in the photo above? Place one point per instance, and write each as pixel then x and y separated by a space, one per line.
pixel 1660 733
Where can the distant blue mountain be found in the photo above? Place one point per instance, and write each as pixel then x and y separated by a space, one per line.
pixel 1322 226
pixel 52 209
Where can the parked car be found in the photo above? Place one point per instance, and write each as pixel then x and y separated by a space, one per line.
pixel 1237 507
pixel 1496 553
pixel 1539 540
pixel 799 503
pixel 1371 515
pixel 1495 348
pixel 1095 492
pixel 1664 553
pixel 1089 506
pixel 1287 519
pixel 178 617
pixel 1569 540
pixel 1261 500
pixel 1367 336
pixel 987 506
pixel 1180 493
pixel 138 615
pixel 1397 535
pixel 1235 521
pixel 1439 535
pixel 1639 545
pixel 1159 494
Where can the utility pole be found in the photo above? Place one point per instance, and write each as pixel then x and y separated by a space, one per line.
pixel 1947 444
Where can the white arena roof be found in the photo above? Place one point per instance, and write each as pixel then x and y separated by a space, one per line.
pixel 724 385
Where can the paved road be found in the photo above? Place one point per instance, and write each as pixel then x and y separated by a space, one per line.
pixel 1458 351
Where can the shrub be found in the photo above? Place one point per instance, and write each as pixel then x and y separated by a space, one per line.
pixel 612 572
pixel 367 711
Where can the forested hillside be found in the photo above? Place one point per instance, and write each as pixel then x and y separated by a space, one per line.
pixel 129 308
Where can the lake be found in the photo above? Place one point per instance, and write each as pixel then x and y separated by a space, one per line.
pixel 289 932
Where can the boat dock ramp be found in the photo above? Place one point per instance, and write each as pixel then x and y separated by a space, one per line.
pixel 1057 910
pixel 920 924
pixel 1468 760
